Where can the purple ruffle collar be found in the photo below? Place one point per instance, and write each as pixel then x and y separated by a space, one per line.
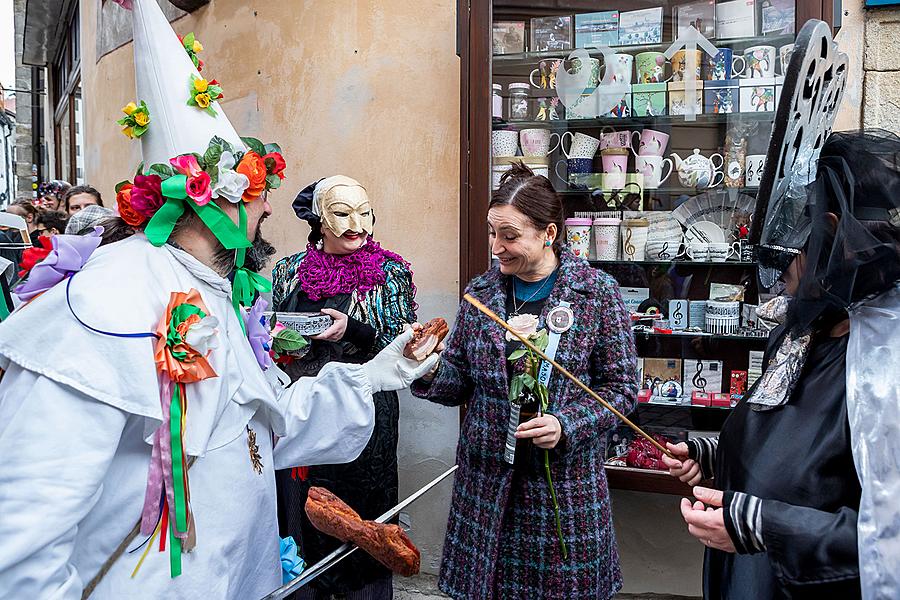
pixel 324 275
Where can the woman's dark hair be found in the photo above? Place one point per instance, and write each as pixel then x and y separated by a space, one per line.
pixel 83 189
pixel 533 196
pixel 53 219
pixel 26 206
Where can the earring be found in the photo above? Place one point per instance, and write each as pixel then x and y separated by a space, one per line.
pixel 548 243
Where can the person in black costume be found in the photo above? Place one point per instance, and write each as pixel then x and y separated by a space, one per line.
pixel 782 521
pixel 369 293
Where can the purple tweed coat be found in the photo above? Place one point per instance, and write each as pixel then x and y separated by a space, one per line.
pixel 501 537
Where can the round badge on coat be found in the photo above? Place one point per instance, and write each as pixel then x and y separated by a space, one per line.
pixel 560 319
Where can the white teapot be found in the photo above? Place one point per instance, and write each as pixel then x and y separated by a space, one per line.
pixel 698 171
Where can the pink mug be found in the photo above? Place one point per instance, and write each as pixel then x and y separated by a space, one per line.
pixel 614 163
pixel 652 143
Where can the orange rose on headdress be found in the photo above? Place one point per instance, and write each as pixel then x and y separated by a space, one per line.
pixel 126 211
pixel 253 166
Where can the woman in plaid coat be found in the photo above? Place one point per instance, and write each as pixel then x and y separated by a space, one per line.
pixel 501 537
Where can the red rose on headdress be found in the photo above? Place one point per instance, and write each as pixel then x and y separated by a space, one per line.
pixel 254 168
pixel 146 195
pixel 126 211
pixel 198 188
pixel 34 255
pixel 275 164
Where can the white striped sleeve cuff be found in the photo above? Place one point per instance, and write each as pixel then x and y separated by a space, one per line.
pixel 743 520
pixel 703 450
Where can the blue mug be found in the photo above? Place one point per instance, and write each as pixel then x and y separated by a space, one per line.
pixel 724 65
pixel 575 165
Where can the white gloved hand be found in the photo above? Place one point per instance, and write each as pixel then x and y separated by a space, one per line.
pixel 390 370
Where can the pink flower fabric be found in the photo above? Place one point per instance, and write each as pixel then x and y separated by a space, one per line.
pixel 198 188
pixel 146 195
pixel 186 164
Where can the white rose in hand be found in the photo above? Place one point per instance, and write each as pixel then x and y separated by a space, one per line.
pixel 524 325
pixel 201 336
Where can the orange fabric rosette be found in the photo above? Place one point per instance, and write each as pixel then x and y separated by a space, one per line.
pixel 253 166
pixel 194 366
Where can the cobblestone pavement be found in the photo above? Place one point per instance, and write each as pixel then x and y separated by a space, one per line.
pixel 424 587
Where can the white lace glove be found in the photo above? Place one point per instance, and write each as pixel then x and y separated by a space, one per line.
pixel 390 370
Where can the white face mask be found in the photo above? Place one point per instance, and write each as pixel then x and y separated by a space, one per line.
pixel 345 207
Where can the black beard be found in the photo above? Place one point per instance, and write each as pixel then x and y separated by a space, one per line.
pixel 257 255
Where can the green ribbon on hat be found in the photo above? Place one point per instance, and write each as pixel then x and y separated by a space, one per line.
pixel 174 189
pixel 246 283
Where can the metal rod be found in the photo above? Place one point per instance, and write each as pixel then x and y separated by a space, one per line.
pixel 347 549
pixel 493 316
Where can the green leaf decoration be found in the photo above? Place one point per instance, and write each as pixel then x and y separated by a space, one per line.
pixel 515 388
pixel 273 182
pixel 541 340
pixel 214 91
pixel 518 354
pixel 213 173
pixel 164 171
pixel 269 148
pixel 122 121
pixel 528 381
pixel 140 168
pixel 210 110
pixel 138 130
pixel 254 144
pixel 121 184
pixel 189 41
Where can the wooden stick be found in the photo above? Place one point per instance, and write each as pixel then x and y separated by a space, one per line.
pixel 493 316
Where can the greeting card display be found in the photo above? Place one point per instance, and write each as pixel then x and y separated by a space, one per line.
pixel 509 37
pixel 640 27
pixel 736 19
pixel 702 376
pixel 699 15
pixel 596 29
pixel 551 33
pixel 663 377
pixel 776 17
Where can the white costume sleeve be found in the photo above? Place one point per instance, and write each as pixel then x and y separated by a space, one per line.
pixel 328 419
pixel 57 445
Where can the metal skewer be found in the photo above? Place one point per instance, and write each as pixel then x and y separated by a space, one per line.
pixel 347 549
pixel 493 316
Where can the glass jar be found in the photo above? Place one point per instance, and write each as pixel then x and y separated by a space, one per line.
pixel 496 101
pixel 518 101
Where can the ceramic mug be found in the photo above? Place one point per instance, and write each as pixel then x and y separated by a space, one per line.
pixel 724 65
pixel 679 64
pixel 784 56
pixel 622 66
pixel 697 251
pixel 547 69
pixel 574 166
pixel 652 143
pixel 537 142
pixel 754 169
pixel 615 139
pixel 651 167
pixel 580 146
pixel 720 251
pixel 651 67
pixel 760 61
pixel 614 167
pixel 504 143
pixel 593 65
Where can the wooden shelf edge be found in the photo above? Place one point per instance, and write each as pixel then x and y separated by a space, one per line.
pixel 644 480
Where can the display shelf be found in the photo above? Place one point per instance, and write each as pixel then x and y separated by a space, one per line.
pixel 670 191
pixel 600 122
pixel 701 334
pixel 530 57
pixel 645 480
pixel 676 263
pixel 656 403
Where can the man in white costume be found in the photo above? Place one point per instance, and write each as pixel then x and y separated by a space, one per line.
pixel 96 412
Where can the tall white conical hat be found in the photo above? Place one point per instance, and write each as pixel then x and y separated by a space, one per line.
pixel 163 72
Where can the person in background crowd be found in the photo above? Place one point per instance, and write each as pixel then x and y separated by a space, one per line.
pixel 370 294
pixel 86 219
pixel 50 223
pixel 503 536
pixel 27 211
pixel 51 194
pixel 80 196
pixel 788 517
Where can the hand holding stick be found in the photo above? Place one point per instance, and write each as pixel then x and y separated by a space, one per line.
pixel 493 316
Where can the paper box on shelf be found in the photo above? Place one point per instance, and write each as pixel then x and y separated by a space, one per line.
pixel 721 96
pixel 678 314
pixel 678 97
pixel 757 95
pixel 644 396
pixel 738 383
pixel 633 296
pixel 721 400
pixel 648 99
pixel 735 19
pixel 700 399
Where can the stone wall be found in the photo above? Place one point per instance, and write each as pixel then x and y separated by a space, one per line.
pixel 24 102
pixel 881 105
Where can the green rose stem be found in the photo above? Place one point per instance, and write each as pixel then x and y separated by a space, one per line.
pixel 528 379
